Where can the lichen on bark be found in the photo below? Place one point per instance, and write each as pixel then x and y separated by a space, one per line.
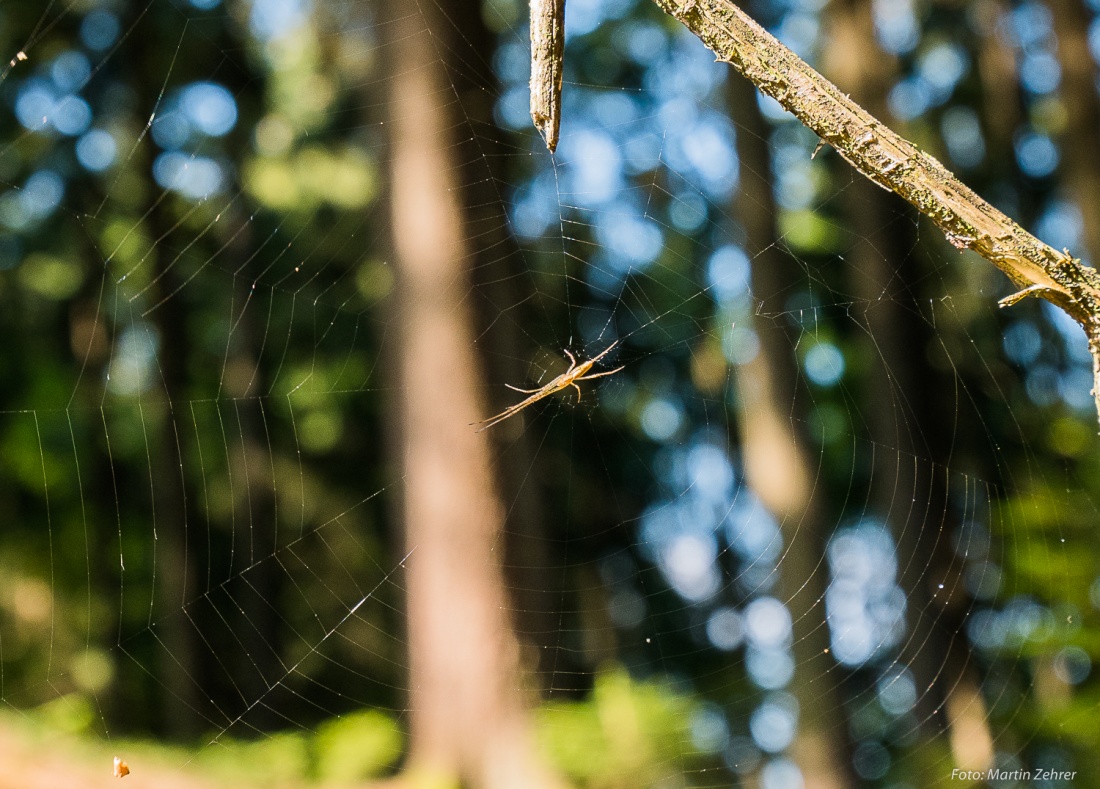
pixel 967 220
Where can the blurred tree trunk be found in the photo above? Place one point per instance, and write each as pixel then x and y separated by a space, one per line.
pixel 779 461
pixel 174 569
pixel 467 715
pixel 913 430
pixel 1001 106
pixel 258 589
pixel 175 559
pixel 534 569
pixel 1082 134
pixel 192 700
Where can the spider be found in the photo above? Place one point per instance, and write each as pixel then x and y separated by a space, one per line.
pixel 576 372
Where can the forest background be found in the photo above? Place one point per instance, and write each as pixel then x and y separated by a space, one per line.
pixel 264 264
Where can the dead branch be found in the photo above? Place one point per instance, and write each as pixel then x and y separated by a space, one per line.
pixel 968 221
pixel 547 53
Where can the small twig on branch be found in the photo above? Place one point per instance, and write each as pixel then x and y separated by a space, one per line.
pixel 547 56
pixel 894 163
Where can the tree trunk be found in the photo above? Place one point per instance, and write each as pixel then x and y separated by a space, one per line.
pixel 467 717
pixel 535 566
pixel 1082 134
pixel 257 591
pixel 1001 104
pixel 779 463
pixel 174 560
pixel 174 565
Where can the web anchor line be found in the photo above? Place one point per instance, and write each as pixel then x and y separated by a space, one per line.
pixel 312 650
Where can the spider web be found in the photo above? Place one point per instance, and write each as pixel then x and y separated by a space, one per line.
pixel 203 507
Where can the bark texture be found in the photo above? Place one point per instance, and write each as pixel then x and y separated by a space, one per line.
pixel 968 221
pixel 547 54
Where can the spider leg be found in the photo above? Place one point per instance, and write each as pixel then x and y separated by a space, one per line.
pixel 574 385
pixel 495 420
pixel 572 362
pixel 489 423
pixel 604 352
pixel 600 375
pixel 507 412
pixel 525 391
pixel 511 410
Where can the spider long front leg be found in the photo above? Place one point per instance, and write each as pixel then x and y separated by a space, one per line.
pixel 525 391
pixel 573 383
pixel 600 375
pixel 486 424
pixel 604 352
pixel 511 410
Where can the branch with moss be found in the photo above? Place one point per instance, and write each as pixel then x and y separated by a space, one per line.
pixel 968 221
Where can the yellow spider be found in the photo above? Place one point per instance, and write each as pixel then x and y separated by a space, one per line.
pixel 576 372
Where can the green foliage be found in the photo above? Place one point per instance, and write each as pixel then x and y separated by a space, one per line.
pixel 627 734
pixel 340 752
pixel 1049 533
pixel 357 746
pixel 809 232
pixel 282 758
